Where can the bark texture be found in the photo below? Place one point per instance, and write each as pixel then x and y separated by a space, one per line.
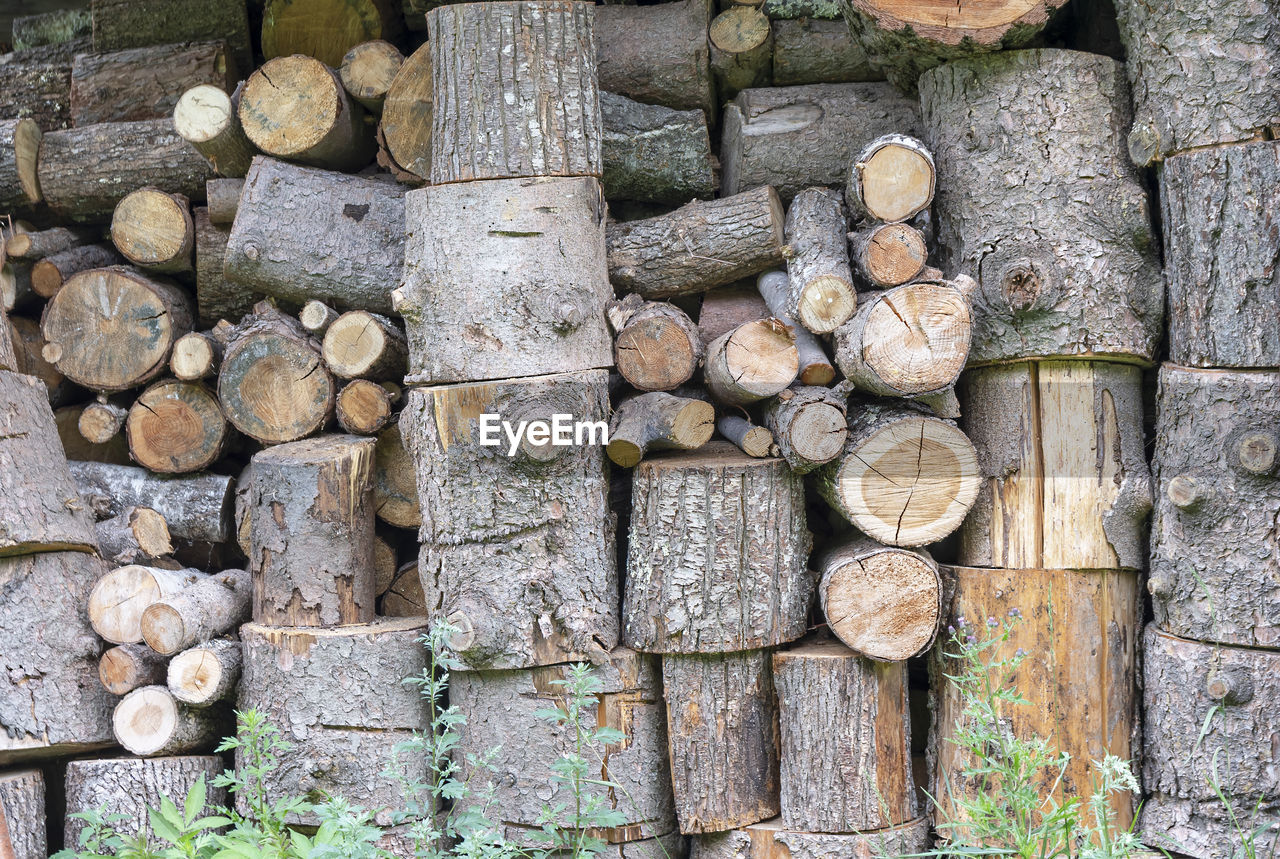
pixel 197 508
pixel 822 295
pixel 120 24
pixel 654 154
pixel 775 288
pixel 123 86
pixel 216 297
pixel 812 51
pixel 22 807
pixel 770 840
pixel 37 83
pixel 213 606
pixel 658 421
pixel 658 56
pixel 19 146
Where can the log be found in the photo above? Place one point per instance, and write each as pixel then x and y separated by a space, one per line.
pixel 846 739
pixel 474 250
pixel 658 421
pixel 741 50
pixel 37 84
pixel 723 738
pixel 119 598
pixel 1216 496
pixel 213 606
pixel 395 484
pixel 216 297
pixel 51 28
pixel 654 154
pixel 150 722
pixel 16 290
pixel 891 180
pixel 698 246
pixel 207 118
pixel 67 420
pixel 132 787
pixel 28 345
pixel 367 71
pixel 752 362
pixel 1065 483
pixel 326 29
pixel 316 317
pixel 717 555
pixel 196 356
pixel 341 741
pixel 126 667
pixel 8 352
pixel 51 703
pixel 22 815
pixel 815 366
pixel 883 602
pixel 364 345
pixel 273 385
pixel 136 535
pixel 1207 719
pixel 771 840
pixel 42 243
pixel 801 136
pixel 812 51
pixel 311 532
pixel 1087 284
pixel 196 507
pixel 809 425
pixel 629 701
pixel 788 10
pixel 658 56
pixel 48 275
pixel 1179 53
pixel 101 421
pixel 121 24
pixel 405 597
pixel 385 565
pixel 822 296
pixel 122 86
pixel 517 545
pixel 755 441
pixel 363 407
pixel 302 234
pixel 223 195
pixel 204 675
pixel 84 172
pixel 904 478
pixel 154 231
pixel 888 255
pixel 404 131
pixel 656 345
pixel 727 307
pixel 19 146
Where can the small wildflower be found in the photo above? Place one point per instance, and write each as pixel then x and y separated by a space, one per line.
pixel 992 622
pixel 1020 653
pixel 972 639
pixel 960 622
pixel 1015 612
pixel 951 630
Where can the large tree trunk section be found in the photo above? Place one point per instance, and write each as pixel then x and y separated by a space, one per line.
pixel 197 508
pixel 1065 483
pixel 723 738
pixel 1080 632
pixel 752 362
pixel 121 24
pixel 495 68
pixel 503 707
pixel 22 815
pixel 654 154
pixel 136 535
pixel 883 602
pixel 207 118
pixel 37 84
pixel 84 172
pixel 810 51
pixel 133 786
pixel 1209 717
pixel 368 70
pixel 123 86
pixel 698 246
pixel 204 675
pixel 213 606
pixel 775 288
pixel 904 478
pixel 809 425
pixel 311 532
pixel 176 427
pixel 1084 280
pixel 404 132
pixel 126 667
pixel 505 279
pixel 1215 573
pixel 658 421
pixel 49 274
pixel 19 146
pixel 718 556
pixel 40 510
pixel 153 230
pixel 119 598
pixel 657 346
pixel 741 50
pixel 846 739
pixel 822 294
pixel 1202 74
pixel 395 482
pixel 337 695
pixel 891 180
pixel 150 722
pixel 363 407
pixel 1222 233
pixel 888 255
pixel 770 840
pixel 216 297
pixel 802 136
pixel 302 234
pixel 364 345
pixel 326 29
pixel 658 56
pixel 517 550
pixel 51 703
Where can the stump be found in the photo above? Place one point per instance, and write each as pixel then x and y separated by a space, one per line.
pixel 809 425
pixel 741 49
pixel 176 427
pixel 197 355
pixel 22 814
pixel 197 508
pixel 213 606
pixel 771 840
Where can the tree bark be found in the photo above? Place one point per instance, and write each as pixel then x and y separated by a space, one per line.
pixel 364 345
pixel 727 307
pixel 798 137
pixel 846 739
pixel 16 290
pixel 888 255
pixel 404 132
pixel 755 441
pixel 752 362
pixel 891 180
pixel 196 507
pixel 123 86
pixel 1065 483
pixel 22 814
pixel 367 71
pixel 48 275
pixel 654 154
pixel 326 29
pixel 223 195
pixel 206 674
pixel 209 119
pixel 154 231
pixel 37 84
pixel 718 555
pixel 741 50
pixel 311 532
pixel 395 485
pixel 121 24
pixel 213 606
pixel 822 296
pixel 119 598
pixel 815 366
pixel 136 535
pixel 723 738
pixel 658 56
pixel 363 407
pixel 505 279
pixel 658 421
pixel 19 146
pixel 810 51
pixel 656 345
pixel 126 667
pixel 216 297
pixel 1084 281
pixel 316 317
pixel 769 840
pixel 809 425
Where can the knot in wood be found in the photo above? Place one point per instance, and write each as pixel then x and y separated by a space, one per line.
pixel 1021 287
pixel 251 250
pixel 1230 685
pixel 1186 492
pixel 566 317
pixel 1256 452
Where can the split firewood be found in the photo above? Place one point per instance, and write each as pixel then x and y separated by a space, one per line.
pixel 119 598
pixel 294 107
pixel 741 50
pixel 404 131
pixel 196 356
pixel 37 84
pixel 316 317
pixel 656 345
pixel 197 508
pixel 23 826
pixel 363 407
pixel 404 598
pixel 812 51
pixel 217 298
pixel 19 147
pixel 490 89
pixel 153 230
pixel 207 118
pixel 770 839
pixel 51 28
pixel 822 296
pixel 891 180
pixel 126 667
pixel 326 30
pixel 815 367
pixel 123 86
pixel 367 71
pixel 904 478
pixel 658 421
pixel 213 606
pixel 653 153
pixel 205 674
pixel 808 424
pixel 752 439
pixel 101 420
pixel 49 274
pixel 698 246
pixel 363 345
pixel 753 588
pixel 223 195
pixel 885 603
pixel 121 24
pixel 825 126
pixel 658 55
pixel 302 233
pixel 752 362
pixel 42 243
pixel 150 722
pixel 136 535
pixel 888 255
pixel 395 486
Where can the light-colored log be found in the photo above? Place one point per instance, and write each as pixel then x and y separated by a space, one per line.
pixel 821 296
pixel 204 610
pixel 126 667
pixel 809 425
pixel 150 722
pixel 367 71
pixel 815 366
pixel 752 362
pixel 207 118
pixel 119 599
pixel 205 674
pixel 196 507
pixel 176 427
pixel 656 345
pixel 658 421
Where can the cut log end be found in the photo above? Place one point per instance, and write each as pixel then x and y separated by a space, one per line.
pixel 363 407
pixel 894 254
pixel 144 719
pixel 368 70
pixel 176 427
pixel 658 420
pixel 817 432
pixel 26 148
pixel 101 422
pixel 826 303
pixel 129 666
pixel 362 344
pixel 739 30
pixel 194 357
pixel 154 229
pixel 201 675
pixel 657 354
pixel 884 603
pixel 275 116
pixel 162 628
pixel 203 113
pixel 755 360
pixel 892 179
pixel 916 339
pixel 316 317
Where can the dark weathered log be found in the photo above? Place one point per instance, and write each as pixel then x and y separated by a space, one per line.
pixel 658 56
pixel 216 297
pixel 698 246
pixel 1061 453
pixel 43 243
pixel 770 840
pixel 203 675
pixel 517 537
pixel 101 421
pixel 1086 282
pixel 808 424
pixel 197 508
pixel 822 296
pixel 213 606
pixel 718 554
pixel 749 438
pixel 132 787
pixel 888 255
pixel 223 195
pixel 28 348
pixel 904 478
pixel 153 230
pixel 121 24
pixel 302 233
pixel 474 254
pixel 196 356
pixel 49 274
pixel 724 309
pixel 395 485
pixel 385 565
pixel 653 153
pixel 338 696
pixel 752 362
pixel 37 84
pixel 123 86
pixel 891 180
pixel 404 131
pixel 119 598
pixel 367 71
pixel 364 345
pixel 801 136
pixel 326 29
pixel 136 535
pixel 363 407
pixel 656 345
pixel 311 532
pixel 126 667
pixel 51 28
pixel 150 722
pixel 815 366
pixel 405 597
pixel 722 734
pixel 741 50
pixel 22 815
pixel 809 51
pixel 84 172
pixel 658 421
pixel 19 146
pixel 8 350
pixel 788 10
pixel 207 118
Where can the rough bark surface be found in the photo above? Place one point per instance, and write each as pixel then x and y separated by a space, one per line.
pixel 811 51
pixel 654 154
pixel 223 195
pixel 50 274
pixel 37 84
pixel 809 425
pixel 213 606
pixel 196 507
pixel 770 840
pixel 775 288
pixel 19 146
pixel 658 421
pixel 216 298
pixel 206 117
pixel 658 56
pixel 123 86
pixel 121 24
pixel 22 805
